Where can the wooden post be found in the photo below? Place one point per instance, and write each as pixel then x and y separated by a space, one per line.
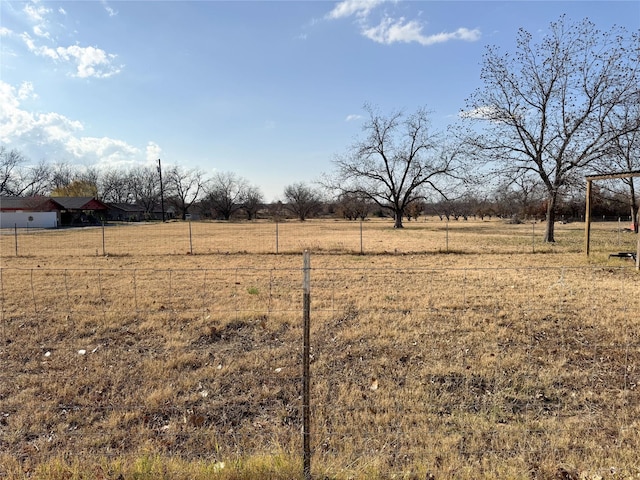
pixel 590 178
pixel 638 252
pixel 587 219
pixel 306 380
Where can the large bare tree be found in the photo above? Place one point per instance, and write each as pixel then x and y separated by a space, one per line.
pixel 115 186
pixel 184 187
pixel 226 194
pixel 302 200
pixel 145 186
pixel 395 163
pixel 547 108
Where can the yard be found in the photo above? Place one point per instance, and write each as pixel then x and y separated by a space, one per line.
pixel 443 350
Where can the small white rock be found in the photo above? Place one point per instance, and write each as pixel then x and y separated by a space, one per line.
pixel 82 351
pixel 47 354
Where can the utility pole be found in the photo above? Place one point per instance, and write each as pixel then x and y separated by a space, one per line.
pixel 161 189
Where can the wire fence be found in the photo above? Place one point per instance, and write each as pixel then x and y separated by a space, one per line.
pixel 467 373
pixel 332 236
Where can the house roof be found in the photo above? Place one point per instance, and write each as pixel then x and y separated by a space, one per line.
pixel 126 207
pixel 29 203
pixel 80 203
pixel 50 203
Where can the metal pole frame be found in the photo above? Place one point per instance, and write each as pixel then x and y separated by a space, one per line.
pixel 306 375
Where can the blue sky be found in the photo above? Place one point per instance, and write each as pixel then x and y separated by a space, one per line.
pixel 271 90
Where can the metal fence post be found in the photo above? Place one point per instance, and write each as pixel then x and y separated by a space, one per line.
pixel 447 236
pixel 15 236
pixel 104 251
pixel 306 376
pixel 533 237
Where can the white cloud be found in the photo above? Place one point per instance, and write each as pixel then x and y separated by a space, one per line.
pixel 153 152
pixel 54 137
pixel 62 11
pixel 352 117
pixel 89 61
pixel 110 11
pixel 40 32
pixel 393 31
pixel 5 32
pixel 487 112
pixel 35 11
pixel 25 91
pixel 347 8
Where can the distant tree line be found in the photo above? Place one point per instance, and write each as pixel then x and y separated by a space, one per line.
pixel 228 196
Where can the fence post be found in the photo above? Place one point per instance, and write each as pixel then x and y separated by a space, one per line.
pixel 638 252
pixel 447 236
pixel 533 237
pixel 104 251
pixel 276 237
pixel 361 245
pixel 190 239
pixel 306 380
pixel 15 236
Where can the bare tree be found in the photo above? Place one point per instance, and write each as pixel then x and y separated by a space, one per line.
pixel 395 162
pixel 253 200
pixel 115 186
pixel 624 152
pixel 184 187
pixel 36 180
pixel 61 175
pixel 353 206
pixel 547 108
pixel 19 179
pixel 226 194
pixel 145 185
pixel 10 163
pixel 302 200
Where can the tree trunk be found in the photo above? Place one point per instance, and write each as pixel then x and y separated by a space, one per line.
pixel 398 219
pixel 551 219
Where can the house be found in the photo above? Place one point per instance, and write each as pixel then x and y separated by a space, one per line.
pixel 81 210
pixel 69 210
pixel 29 212
pixel 125 212
pixel 135 212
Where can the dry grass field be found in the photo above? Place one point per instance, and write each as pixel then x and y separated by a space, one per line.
pixel 464 350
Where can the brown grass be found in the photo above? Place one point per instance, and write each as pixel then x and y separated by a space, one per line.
pixel 501 359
